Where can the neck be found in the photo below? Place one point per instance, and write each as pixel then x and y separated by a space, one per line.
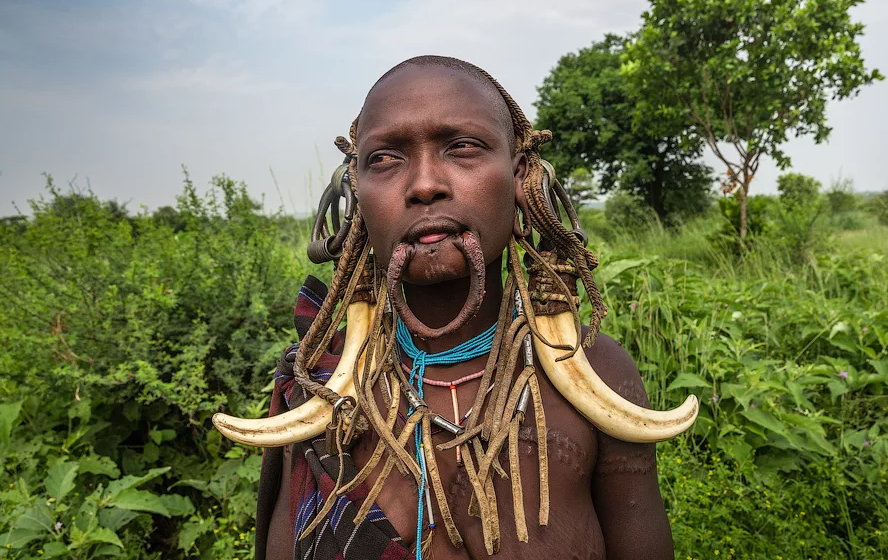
pixel 437 304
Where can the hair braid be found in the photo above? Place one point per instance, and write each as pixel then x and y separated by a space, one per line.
pixel 499 425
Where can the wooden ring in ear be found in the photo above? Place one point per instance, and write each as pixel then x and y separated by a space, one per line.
pixel 517 229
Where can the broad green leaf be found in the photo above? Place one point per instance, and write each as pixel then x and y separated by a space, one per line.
pixel 115 518
pixel 131 481
pixel 108 550
pixel 250 469
pixel 155 436
pixel 18 538
pixel 881 366
pixel 201 485
pixel 36 518
pixel 781 461
pixel 766 420
pixel 854 439
pixel 104 535
pixel 611 270
pixel 53 549
pixel 807 423
pixel 140 500
pixel 99 464
pixel 837 389
pixel 738 450
pixel 9 418
pixel 60 480
pixel 177 504
pixel 684 380
pixel 150 453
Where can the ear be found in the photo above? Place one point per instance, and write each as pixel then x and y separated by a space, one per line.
pixel 519 166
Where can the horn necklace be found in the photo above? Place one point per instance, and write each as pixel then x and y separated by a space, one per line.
pixel 475 347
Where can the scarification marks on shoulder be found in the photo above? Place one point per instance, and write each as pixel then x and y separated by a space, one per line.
pixel 615 458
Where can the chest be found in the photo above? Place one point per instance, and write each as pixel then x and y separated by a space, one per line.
pixel 572 453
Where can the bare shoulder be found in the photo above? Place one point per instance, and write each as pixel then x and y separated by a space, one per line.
pixel 617 369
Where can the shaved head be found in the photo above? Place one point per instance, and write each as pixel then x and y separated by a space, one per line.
pixel 497 103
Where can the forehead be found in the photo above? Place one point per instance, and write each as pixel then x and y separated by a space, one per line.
pixel 432 95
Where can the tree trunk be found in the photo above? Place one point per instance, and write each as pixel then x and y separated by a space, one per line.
pixel 744 189
pixel 655 192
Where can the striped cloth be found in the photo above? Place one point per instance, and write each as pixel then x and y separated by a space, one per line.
pixel 314 473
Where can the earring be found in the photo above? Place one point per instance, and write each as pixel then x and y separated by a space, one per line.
pixel 517 229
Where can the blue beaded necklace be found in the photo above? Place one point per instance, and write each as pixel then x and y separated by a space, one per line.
pixel 473 348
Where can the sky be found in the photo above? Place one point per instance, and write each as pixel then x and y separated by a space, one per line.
pixel 119 96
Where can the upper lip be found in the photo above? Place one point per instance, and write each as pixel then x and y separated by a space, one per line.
pixel 429 226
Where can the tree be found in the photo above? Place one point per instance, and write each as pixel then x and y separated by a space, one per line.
pixel 580 186
pixel 746 75
pixel 587 104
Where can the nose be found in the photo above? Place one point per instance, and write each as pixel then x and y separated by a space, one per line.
pixel 428 182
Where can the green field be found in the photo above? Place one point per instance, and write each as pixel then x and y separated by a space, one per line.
pixel 121 335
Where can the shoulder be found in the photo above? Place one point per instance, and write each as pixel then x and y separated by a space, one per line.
pixel 617 369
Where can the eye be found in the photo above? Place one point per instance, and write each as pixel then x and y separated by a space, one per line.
pixel 463 145
pixel 381 159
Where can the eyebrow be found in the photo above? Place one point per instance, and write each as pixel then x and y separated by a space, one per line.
pixel 400 133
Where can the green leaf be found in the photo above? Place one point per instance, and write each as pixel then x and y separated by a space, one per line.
pixel 683 380
pixel 155 436
pixel 108 550
pixel 611 270
pixel 60 480
pixel 36 518
pixel 881 366
pixel 250 469
pixel 140 500
pixel 9 418
pixel 98 464
pixel 738 450
pixel 104 535
pixel 766 420
pixel 177 504
pixel 115 518
pixel 53 549
pixel 837 389
pixel 18 538
pixel 151 453
pixel 131 481
pixel 201 485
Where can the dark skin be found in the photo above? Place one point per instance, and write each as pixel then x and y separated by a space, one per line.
pixel 432 146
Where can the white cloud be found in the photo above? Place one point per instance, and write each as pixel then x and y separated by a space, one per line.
pixel 214 77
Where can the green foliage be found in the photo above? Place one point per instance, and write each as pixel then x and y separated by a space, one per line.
pixel 122 335
pixel 747 75
pixel 840 196
pixel 797 191
pixel 789 456
pixel 878 206
pixel 580 186
pixel 629 215
pixel 586 102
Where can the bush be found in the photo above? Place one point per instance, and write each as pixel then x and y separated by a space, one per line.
pixel 840 196
pixel 789 455
pixel 122 336
pixel 629 215
pixel 878 206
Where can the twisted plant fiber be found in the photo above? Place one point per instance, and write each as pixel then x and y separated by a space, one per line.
pixel 497 428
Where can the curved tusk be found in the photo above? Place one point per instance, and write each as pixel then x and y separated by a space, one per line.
pixel 577 381
pixel 310 419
